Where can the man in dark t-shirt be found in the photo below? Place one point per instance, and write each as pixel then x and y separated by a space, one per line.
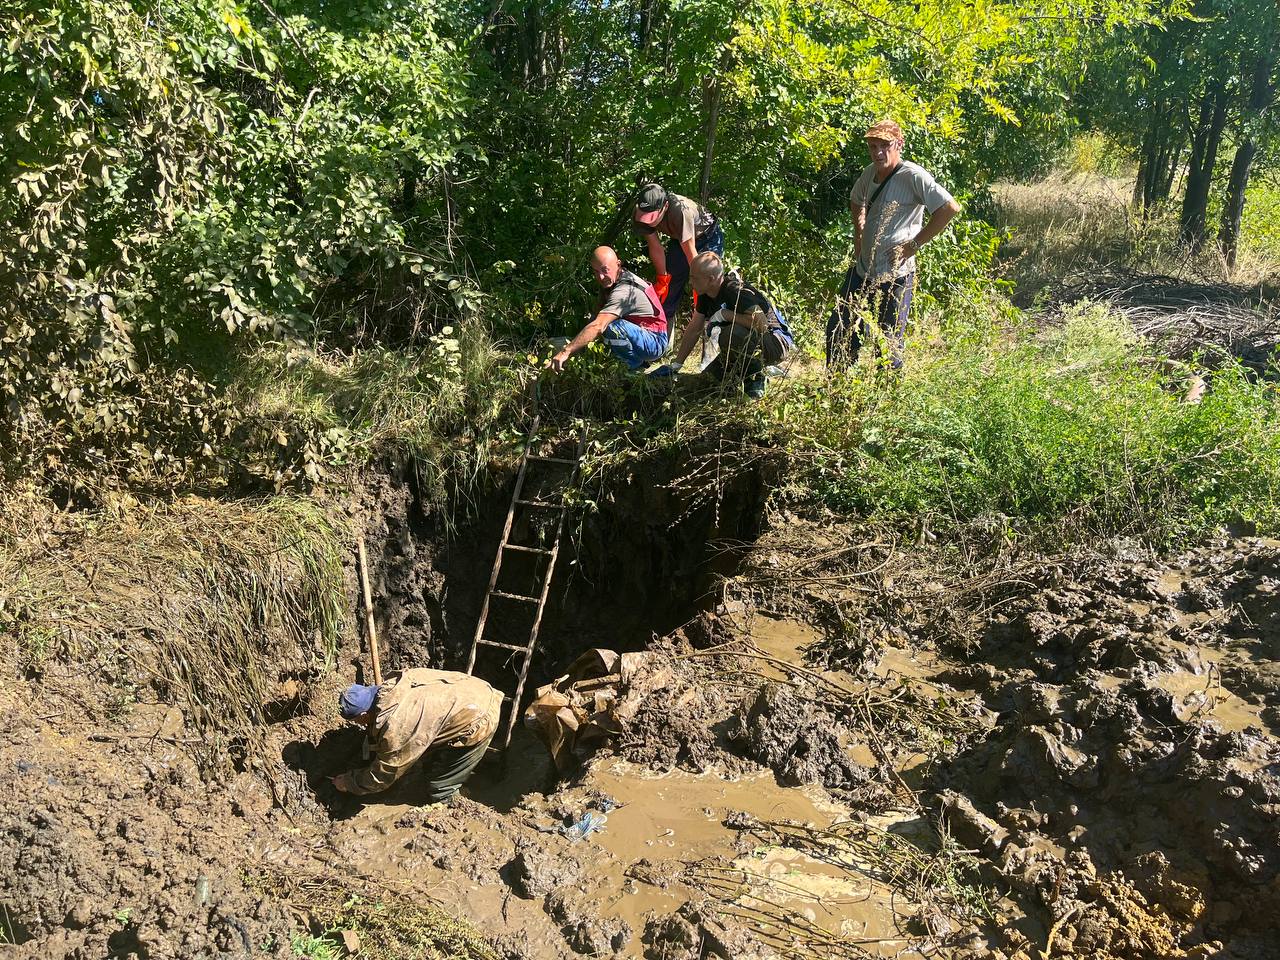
pixel 629 316
pixel 751 331
pixel 692 230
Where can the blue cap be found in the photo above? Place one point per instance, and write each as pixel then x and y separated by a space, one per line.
pixel 356 699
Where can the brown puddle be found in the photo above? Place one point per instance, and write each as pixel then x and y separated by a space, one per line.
pixel 674 821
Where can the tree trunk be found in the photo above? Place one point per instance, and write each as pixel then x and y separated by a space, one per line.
pixel 1259 100
pixel 713 118
pixel 1204 155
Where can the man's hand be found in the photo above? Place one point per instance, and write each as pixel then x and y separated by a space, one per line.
pixel 662 286
pixel 904 252
pixel 666 370
pixel 342 783
pixel 556 363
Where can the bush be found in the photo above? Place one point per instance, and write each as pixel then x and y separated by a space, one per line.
pixel 1075 424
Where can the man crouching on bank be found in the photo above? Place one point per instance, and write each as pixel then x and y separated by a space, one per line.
pixel 444 718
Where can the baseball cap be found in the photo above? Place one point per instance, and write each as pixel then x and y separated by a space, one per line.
pixel 884 130
pixel 649 204
pixel 356 699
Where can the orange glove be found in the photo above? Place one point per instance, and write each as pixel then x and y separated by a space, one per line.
pixel 662 286
pixel 695 301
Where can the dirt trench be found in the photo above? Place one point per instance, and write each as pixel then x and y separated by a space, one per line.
pixel 836 747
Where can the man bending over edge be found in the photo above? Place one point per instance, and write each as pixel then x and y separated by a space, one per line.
pixel 630 316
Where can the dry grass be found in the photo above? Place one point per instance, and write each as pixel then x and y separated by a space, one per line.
pixel 1068 226
pixel 205 604
pixel 390 924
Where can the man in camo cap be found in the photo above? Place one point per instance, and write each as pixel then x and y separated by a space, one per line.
pixel 889 203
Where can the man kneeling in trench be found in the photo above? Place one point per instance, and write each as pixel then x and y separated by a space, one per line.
pixel 447 719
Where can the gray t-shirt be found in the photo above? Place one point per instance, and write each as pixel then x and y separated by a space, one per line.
pixel 897 216
pixel 626 298
pixel 685 220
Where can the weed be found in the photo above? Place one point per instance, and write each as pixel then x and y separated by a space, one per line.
pixel 315 948
pixel 406 929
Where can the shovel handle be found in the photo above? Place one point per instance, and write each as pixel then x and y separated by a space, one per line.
pixel 370 629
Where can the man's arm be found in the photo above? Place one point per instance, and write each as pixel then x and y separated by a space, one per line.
pixel 657 255
pixel 690 251
pixel 692 331
pixel 859 224
pixel 392 762
pixel 753 319
pixel 584 337
pixel 936 223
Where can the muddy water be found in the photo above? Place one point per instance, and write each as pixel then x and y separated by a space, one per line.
pixel 673 824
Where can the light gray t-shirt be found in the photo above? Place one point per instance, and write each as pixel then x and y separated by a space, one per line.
pixel 896 217
pixel 627 298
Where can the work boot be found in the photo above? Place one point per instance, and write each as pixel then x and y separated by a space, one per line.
pixel 753 379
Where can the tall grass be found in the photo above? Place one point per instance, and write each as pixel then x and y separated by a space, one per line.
pixel 440 405
pixel 1074 423
pixel 206 604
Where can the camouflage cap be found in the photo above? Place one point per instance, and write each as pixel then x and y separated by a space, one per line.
pixel 884 130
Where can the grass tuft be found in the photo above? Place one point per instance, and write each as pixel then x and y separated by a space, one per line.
pixel 203 603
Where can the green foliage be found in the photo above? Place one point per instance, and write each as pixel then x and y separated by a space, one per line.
pixel 1260 231
pixel 176 180
pixel 597 96
pixel 315 948
pixel 1073 424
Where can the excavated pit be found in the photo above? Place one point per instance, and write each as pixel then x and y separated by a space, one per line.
pixel 1101 737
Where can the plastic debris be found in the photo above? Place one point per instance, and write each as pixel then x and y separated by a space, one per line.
pixel 587 824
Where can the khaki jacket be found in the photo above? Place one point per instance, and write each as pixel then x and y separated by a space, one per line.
pixel 421 709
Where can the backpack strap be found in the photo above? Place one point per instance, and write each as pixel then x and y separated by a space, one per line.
pixel 883 183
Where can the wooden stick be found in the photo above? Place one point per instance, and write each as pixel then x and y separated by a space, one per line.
pixel 368 614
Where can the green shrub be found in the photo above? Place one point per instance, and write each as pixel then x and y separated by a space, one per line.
pixel 1073 424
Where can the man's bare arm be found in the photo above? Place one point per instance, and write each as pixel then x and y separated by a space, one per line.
pixel 693 329
pixel 859 224
pixel 657 255
pixel 584 337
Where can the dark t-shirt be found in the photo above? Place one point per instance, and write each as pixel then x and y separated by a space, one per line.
pixel 736 296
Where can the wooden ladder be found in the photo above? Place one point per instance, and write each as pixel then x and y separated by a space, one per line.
pixel 553 500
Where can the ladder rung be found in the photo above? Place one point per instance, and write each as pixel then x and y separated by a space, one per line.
pixel 533 456
pixel 504 646
pixel 516 596
pixel 522 549
pixel 541 503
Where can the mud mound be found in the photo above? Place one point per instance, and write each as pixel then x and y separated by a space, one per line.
pixel 1133 737
pixel 115 857
pixel 780 728
pixel 672 718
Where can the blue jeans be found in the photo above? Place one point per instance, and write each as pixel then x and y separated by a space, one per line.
pixel 890 302
pixel 678 267
pixel 633 344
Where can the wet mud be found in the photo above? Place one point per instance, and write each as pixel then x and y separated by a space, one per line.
pixel 1078 758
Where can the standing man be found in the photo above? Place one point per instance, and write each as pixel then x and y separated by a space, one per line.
pixel 692 230
pixel 445 717
pixel 888 202
pixel 751 331
pixel 629 316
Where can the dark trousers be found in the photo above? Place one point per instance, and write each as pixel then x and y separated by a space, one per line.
pixel 678 267
pixel 744 352
pixel 446 768
pixel 889 302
